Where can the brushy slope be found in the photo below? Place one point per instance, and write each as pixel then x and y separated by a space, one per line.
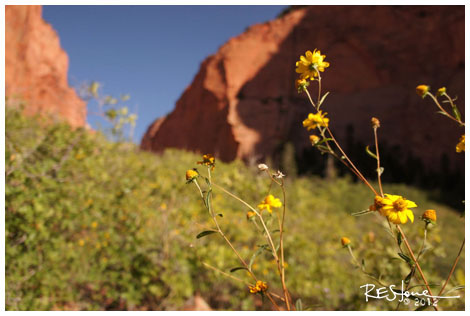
pixel 94 225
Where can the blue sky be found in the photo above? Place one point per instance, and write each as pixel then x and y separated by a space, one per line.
pixel 149 52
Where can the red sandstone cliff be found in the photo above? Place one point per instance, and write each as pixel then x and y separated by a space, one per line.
pixel 243 103
pixel 36 67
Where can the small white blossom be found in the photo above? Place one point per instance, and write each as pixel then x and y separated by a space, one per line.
pixel 262 167
pixel 279 175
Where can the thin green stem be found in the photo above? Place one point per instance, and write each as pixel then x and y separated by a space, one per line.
pixel 416 262
pixel 231 245
pixel 417 259
pixel 379 173
pixel 453 268
pixel 240 280
pixel 351 165
pixel 362 268
pixel 280 264
pixel 319 90
pixel 268 235
pixel 331 151
pixel 444 111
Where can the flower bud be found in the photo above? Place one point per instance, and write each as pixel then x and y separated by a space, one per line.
pixel 375 122
pixel 461 145
pixel 429 216
pixel 301 85
pixel 345 241
pixel 422 90
pixel 314 139
pixel 250 214
pixel 191 175
pixel 262 167
pixel 441 91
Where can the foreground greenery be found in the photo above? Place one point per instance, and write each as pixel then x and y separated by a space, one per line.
pixel 94 225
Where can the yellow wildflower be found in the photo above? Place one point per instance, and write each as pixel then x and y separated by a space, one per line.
pixel 94 224
pixel 314 139
pixel 395 208
pixel 269 202
pixel 190 175
pixel 422 90
pixel 81 242
pixel 301 85
pixel 314 120
pixel 461 145
pixel 429 215
pixel 309 65
pixel 345 241
pixel 259 287
pixel 207 160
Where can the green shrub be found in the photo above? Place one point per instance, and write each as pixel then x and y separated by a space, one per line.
pixel 94 225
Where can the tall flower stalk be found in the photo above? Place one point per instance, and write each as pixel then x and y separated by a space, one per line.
pixel 394 208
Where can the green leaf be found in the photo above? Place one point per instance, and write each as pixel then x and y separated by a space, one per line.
pixel 459 287
pixel 324 140
pixel 298 305
pixel 442 112
pixel 370 153
pixel 456 113
pixel 265 247
pixel 205 233
pixel 323 99
pixel 208 199
pixel 360 213
pixel 409 276
pixel 238 268
pixel 399 239
pixel 406 258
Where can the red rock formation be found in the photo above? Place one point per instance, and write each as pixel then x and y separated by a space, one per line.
pixel 36 67
pixel 243 103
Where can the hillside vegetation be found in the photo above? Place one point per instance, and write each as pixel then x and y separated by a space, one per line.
pixel 94 225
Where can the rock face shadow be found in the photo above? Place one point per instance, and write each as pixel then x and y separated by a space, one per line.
pixel 378 56
pixel 243 104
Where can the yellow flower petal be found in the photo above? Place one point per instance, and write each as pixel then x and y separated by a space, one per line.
pixel 410 215
pixel 411 203
pixel 402 217
pixel 393 217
